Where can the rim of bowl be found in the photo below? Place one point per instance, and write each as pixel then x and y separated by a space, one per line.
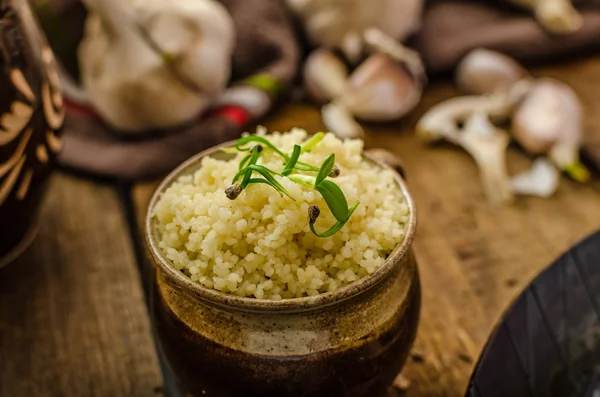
pixel 254 304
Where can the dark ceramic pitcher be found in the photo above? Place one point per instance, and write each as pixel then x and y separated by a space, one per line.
pixel 31 114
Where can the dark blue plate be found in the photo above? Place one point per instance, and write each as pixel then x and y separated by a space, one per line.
pixel 548 343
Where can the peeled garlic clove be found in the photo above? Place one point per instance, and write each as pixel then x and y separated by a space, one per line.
pixel 483 72
pixel 540 180
pixel 339 120
pixel 550 121
pixel 325 75
pixel 380 90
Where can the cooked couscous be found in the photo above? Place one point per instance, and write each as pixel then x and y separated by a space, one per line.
pixel 260 244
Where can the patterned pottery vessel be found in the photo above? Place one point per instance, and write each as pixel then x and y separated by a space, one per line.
pixel 31 114
pixel 350 342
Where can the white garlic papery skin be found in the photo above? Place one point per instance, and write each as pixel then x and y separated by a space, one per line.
pixel 342 23
pixel 135 87
pixel 550 121
pixel 540 180
pixel 484 71
pixel 487 145
pixel 339 120
pixel 380 89
pixel 325 75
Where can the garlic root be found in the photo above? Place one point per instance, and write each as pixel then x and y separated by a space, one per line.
pixel 540 180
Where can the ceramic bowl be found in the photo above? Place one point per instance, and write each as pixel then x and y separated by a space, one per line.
pixel 350 342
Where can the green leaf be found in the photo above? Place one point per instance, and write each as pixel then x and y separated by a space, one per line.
pixel 336 226
pixel 312 142
pixel 305 180
pixel 272 181
pixel 244 161
pixel 239 175
pixel 230 150
pixel 261 140
pixel 302 166
pixel 326 168
pixel 289 167
pixel 335 199
pixel 253 159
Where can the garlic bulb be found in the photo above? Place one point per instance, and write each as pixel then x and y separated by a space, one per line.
pixel 151 64
pixel 550 121
pixel 342 23
pixel 556 16
pixel 483 71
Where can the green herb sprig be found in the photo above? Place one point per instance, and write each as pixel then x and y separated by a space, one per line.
pixel 329 190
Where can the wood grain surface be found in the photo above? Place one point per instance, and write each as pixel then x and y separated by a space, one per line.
pixel 72 316
pixel 72 319
pixel 474 257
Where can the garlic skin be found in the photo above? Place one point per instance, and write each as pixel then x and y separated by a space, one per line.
pixel 135 87
pixel 342 23
pixel 441 120
pixel 540 180
pixel 483 71
pixel 325 75
pixel 380 90
pixel 556 16
pixel 487 145
pixel 550 121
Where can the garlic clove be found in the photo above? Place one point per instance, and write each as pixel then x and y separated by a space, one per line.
pixel 339 120
pixel 325 75
pixel 379 42
pixel 558 16
pixel 380 90
pixel 550 121
pixel 540 180
pixel 483 71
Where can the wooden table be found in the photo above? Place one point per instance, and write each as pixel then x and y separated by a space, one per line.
pixel 73 319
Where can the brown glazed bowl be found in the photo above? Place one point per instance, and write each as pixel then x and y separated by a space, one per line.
pixel 350 342
pixel 31 113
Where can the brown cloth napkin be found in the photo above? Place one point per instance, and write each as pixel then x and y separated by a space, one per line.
pixel 265 46
pixel 451 28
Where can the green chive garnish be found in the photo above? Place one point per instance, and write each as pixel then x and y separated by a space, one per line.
pixel 331 192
